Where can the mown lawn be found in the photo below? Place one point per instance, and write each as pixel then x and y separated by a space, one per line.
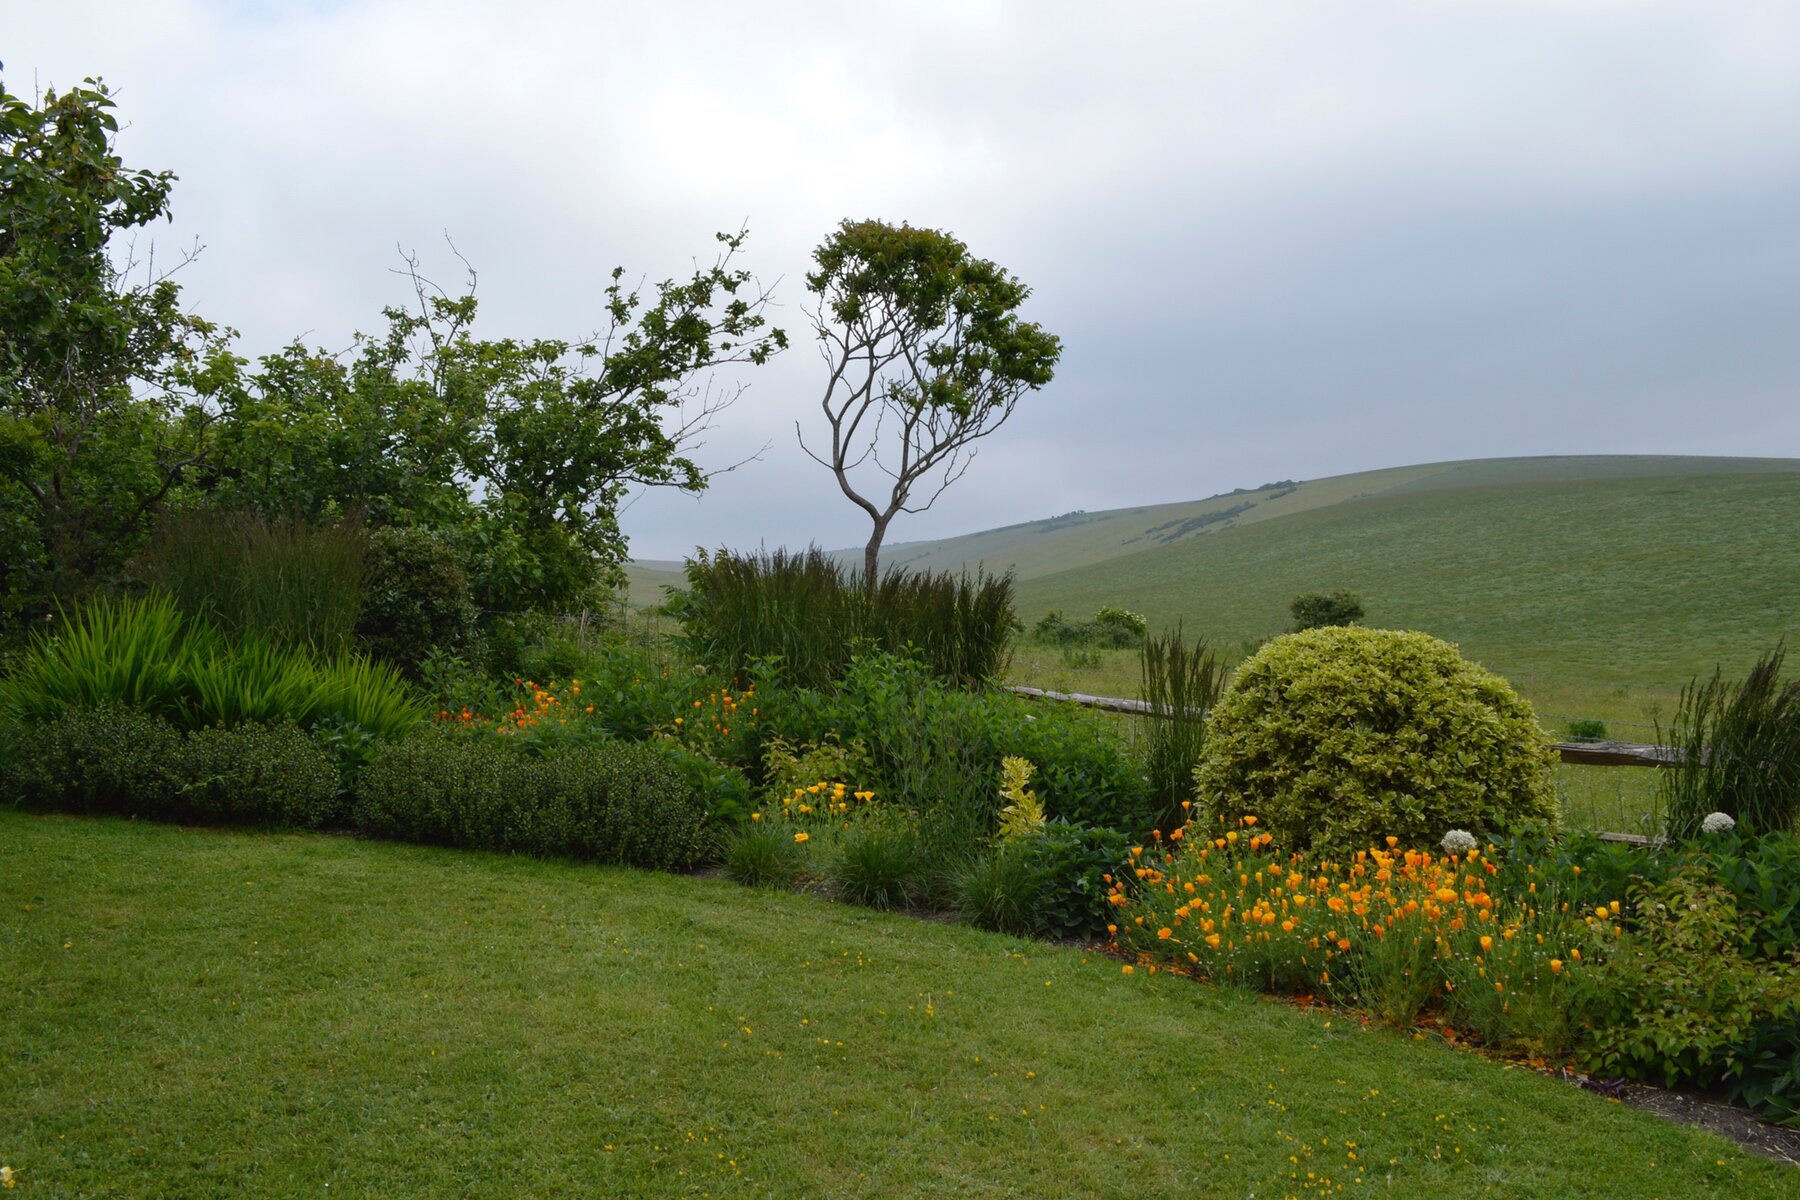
pixel 193 1012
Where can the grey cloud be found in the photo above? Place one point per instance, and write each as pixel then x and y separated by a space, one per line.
pixel 1279 239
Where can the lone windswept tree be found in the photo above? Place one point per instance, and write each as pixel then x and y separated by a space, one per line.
pixel 927 355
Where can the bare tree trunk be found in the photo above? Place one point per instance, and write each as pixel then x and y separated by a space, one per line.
pixel 872 554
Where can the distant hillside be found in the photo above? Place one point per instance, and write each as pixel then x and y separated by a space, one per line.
pixel 1038 548
pixel 1624 577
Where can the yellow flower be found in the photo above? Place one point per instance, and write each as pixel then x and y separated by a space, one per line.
pixel 802 836
pixel 1165 933
pixel 1556 966
pixel 1127 969
pixel 756 816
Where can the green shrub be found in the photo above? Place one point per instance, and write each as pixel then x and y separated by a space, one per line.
pixel 112 759
pixel 614 802
pixel 1737 746
pixel 1112 616
pixel 759 855
pixel 1072 862
pixel 908 720
pixel 1587 729
pixel 1764 1071
pixel 417 598
pixel 787 765
pixel 264 774
pixel 294 583
pixel 1321 610
pixel 1683 993
pixel 1047 884
pixel 1338 737
pixel 1111 628
pixel 121 760
pixel 1761 873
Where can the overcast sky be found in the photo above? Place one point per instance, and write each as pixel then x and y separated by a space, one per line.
pixel 1279 240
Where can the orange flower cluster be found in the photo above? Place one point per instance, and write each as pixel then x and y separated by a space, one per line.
pixel 536 705
pixel 822 799
pixel 1230 908
pixel 718 711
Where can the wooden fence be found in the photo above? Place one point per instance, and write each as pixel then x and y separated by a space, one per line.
pixel 1587 754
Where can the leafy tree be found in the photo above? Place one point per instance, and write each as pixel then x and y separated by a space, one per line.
pixel 1316 610
pixel 923 337
pixel 100 372
pixel 517 451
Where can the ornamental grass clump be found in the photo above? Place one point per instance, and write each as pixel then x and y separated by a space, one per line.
pixel 142 654
pixel 1737 752
pixel 805 612
pixel 1339 737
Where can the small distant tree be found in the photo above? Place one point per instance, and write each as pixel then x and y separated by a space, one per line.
pixel 1315 610
pixel 924 338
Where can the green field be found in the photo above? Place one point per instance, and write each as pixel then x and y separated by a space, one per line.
pixel 1035 549
pixel 1588 594
pixel 188 1012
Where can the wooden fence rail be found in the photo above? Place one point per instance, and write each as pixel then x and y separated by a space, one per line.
pixel 1587 754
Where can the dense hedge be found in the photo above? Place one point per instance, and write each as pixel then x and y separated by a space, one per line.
pixel 641 805
pixel 124 761
pixel 1338 737
pixel 614 802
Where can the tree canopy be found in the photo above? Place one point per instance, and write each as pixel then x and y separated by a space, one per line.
pixel 116 403
pixel 925 354
pixel 518 451
pixel 101 370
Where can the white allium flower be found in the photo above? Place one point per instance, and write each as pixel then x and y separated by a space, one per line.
pixel 1717 823
pixel 1458 841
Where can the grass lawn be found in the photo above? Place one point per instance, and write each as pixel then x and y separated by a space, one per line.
pixel 193 1012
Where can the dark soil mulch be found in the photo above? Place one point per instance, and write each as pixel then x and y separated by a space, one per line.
pixel 1778 1142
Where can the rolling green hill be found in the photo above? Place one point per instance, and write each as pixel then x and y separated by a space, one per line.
pixel 1623 580
pixel 1039 548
